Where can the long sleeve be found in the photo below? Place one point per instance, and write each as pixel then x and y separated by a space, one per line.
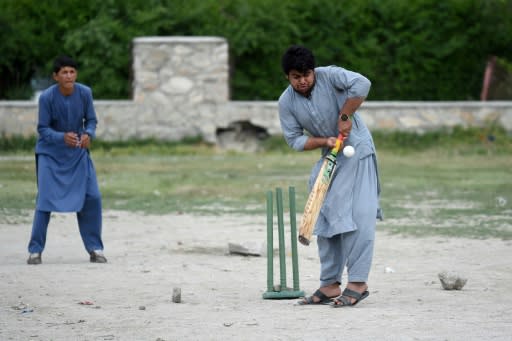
pixel 90 119
pixel 46 132
pixel 292 130
pixel 354 83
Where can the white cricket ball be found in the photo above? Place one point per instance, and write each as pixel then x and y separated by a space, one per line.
pixel 348 151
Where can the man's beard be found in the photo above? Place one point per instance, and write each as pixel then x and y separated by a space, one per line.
pixel 307 94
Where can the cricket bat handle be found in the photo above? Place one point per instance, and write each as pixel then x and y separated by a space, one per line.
pixel 317 195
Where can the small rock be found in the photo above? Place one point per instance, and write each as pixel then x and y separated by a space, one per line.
pixel 176 295
pixel 452 280
pixel 86 303
pixel 247 249
pixel 389 270
pixel 142 307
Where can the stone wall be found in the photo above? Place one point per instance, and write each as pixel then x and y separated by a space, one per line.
pixel 181 89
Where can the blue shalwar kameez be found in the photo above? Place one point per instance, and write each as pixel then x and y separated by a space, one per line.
pixel 66 178
pixel 346 224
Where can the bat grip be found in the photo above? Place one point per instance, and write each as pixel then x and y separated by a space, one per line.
pixel 339 142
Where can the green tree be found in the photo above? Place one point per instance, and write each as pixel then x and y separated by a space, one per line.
pixel 411 50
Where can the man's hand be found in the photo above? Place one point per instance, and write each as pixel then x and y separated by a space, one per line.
pixel 74 141
pixel 330 142
pixel 349 108
pixel 344 127
pixel 71 139
pixel 85 141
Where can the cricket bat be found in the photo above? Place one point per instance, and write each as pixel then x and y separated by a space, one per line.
pixel 317 194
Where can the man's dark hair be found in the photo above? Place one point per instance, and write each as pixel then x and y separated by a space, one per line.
pixel 297 58
pixel 63 61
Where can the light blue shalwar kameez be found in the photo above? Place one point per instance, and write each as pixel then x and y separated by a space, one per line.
pixel 346 224
pixel 66 178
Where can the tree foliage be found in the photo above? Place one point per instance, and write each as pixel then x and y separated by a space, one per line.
pixel 411 50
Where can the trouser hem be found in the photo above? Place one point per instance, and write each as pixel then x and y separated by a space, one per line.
pixel 357 279
pixel 329 282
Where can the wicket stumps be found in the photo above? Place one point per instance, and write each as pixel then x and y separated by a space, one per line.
pixel 281 291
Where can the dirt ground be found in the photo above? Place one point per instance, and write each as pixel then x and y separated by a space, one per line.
pixel 130 297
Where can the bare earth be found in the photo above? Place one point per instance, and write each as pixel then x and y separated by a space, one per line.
pixel 131 296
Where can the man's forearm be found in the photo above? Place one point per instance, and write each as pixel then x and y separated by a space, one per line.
pixel 351 105
pixel 315 142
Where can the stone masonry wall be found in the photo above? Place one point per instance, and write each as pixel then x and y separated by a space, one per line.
pixel 181 89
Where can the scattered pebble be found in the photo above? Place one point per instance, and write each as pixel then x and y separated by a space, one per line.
pixel 451 280
pixel 86 303
pixel 176 295
pixel 248 248
pixel 389 270
pixel 20 306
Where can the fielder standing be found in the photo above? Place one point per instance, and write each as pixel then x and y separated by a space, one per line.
pixel 66 178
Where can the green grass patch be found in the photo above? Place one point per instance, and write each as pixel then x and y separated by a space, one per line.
pixel 454 185
pixel 459 140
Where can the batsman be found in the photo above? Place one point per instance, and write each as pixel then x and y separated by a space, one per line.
pixel 320 104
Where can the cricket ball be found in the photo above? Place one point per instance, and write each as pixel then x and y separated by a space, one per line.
pixel 348 151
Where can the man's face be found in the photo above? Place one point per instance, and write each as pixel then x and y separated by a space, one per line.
pixel 302 82
pixel 66 78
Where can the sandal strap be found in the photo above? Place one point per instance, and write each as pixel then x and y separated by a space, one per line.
pixel 342 299
pixel 352 293
pixel 320 295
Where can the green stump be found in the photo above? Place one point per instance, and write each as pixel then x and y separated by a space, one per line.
pixel 282 291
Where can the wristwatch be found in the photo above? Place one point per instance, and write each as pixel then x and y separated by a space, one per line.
pixel 344 117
